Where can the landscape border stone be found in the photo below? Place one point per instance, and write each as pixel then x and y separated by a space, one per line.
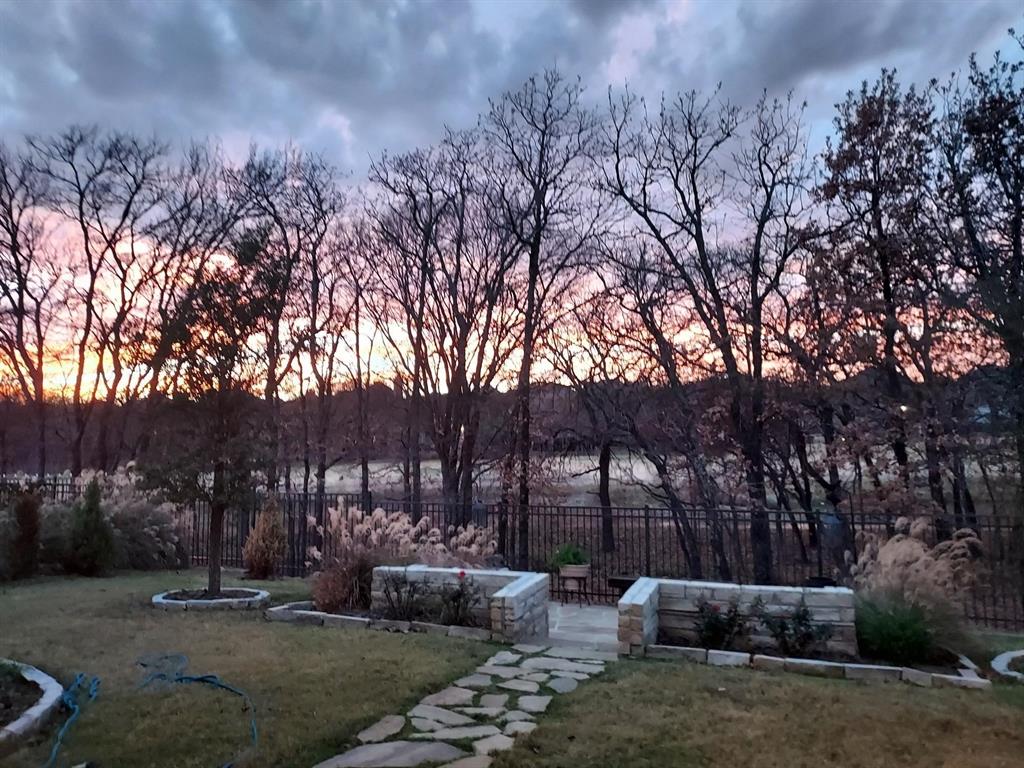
pixel 302 612
pixel 872 673
pixel 258 599
pixel 1001 665
pixel 33 718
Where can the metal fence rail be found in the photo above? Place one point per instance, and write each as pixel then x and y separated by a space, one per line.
pixel 627 542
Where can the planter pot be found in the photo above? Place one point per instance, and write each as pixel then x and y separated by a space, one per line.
pixel 575 572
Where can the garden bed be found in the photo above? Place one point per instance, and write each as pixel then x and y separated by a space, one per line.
pixel 28 697
pixel 304 612
pixel 483 604
pixel 1010 665
pixel 802 630
pixel 233 598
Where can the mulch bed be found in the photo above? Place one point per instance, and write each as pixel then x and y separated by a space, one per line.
pixel 1017 665
pixel 16 695
pixel 202 594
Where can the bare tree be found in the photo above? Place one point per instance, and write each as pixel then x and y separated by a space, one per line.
pixel 28 279
pixel 543 138
pixel 104 187
pixel 722 213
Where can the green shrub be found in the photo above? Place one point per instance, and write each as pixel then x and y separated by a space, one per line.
pixel 569 554
pixel 719 630
pixel 794 635
pixel 91 540
pixel 147 537
pixel 24 541
pixel 267 543
pixel 893 629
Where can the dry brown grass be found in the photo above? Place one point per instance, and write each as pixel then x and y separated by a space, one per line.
pixel 671 715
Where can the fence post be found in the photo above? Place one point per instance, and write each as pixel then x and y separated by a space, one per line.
pixel 647 540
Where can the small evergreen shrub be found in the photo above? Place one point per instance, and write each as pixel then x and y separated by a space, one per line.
pixel 267 543
pixel 147 538
pixel 91 541
pixel 24 541
pixel 794 635
pixel 717 629
pixel 894 629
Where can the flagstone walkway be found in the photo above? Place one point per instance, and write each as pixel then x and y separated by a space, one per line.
pixel 463 725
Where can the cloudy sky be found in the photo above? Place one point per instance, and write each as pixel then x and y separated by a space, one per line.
pixel 353 78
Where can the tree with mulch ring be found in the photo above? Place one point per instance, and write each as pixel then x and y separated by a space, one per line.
pixel 16 694
pixel 205 594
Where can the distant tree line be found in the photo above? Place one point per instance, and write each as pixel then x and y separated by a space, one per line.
pixel 843 304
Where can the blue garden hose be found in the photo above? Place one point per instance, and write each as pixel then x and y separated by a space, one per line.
pixel 169 668
pixel 70 700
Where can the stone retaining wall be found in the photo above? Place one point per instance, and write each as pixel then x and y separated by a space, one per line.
pixel 513 604
pixel 666 611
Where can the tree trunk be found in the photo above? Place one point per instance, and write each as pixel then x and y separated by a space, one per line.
pixel 216 533
pixel 604 462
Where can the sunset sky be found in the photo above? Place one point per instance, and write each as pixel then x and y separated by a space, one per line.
pixel 353 78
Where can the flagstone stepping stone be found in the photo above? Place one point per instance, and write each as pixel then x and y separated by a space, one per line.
pixel 422 724
pixel 476 761
pixel 481 711
pixel 571 675
pixel 439 715
pixel 394 754
pixel 547 663
pixel 562 684
pixel 515 715
pixel 519 726
pixel 503 657
pixel 382 729
pixel 527 648
pixel 474 681
pixel 581 653
pixel 494 700
pixel 504 672
pixel 450 697
pixel 534 703
pixel 523 686
pixel 535 677
pixel 465 732
pixel 493 744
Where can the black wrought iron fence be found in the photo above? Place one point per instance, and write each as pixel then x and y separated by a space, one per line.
pixel 624 543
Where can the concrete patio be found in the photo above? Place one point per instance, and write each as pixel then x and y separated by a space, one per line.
pixel 583 626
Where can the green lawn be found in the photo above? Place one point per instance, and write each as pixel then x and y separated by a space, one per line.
pixel 675 715
pixel 314 688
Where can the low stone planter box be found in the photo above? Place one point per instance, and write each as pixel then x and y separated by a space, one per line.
pixel 36 716
pixel 258 599
pixel 966 678
pixel 668 608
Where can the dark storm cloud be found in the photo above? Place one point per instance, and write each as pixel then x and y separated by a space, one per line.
pixel 351 78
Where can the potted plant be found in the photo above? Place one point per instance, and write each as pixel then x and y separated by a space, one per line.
pixel 572 563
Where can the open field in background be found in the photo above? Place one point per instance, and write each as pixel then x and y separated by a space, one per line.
pixel 313 689
pixel 572 480
pixel 676 715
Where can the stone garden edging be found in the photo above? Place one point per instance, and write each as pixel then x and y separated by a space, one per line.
pixel 1001 665
pixel 259 599
pixel 33 718
pixel 302 612
pixel 967 678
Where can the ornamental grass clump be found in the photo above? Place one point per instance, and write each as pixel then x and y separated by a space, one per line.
pixel 911 594
pixel 357 542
